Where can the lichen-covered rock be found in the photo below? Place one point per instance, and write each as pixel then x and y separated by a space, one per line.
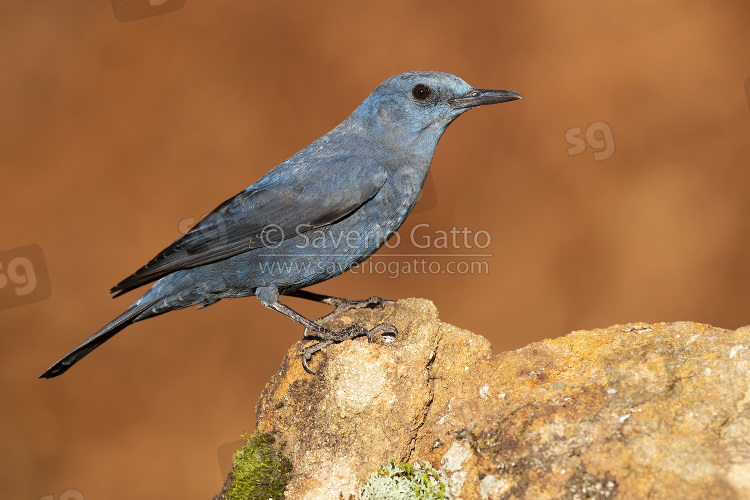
pixel 405 482
pixel 365 405
pixel 631 411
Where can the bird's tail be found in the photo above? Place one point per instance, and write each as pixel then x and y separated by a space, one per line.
pixel 104 334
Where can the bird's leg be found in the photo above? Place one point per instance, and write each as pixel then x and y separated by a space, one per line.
pixel 339 303
pixel 269 297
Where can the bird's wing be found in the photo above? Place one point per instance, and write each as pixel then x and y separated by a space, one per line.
pixel 286 202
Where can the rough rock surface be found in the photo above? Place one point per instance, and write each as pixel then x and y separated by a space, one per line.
pixel 630 411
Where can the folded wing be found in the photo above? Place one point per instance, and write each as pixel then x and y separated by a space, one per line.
pixel 284 203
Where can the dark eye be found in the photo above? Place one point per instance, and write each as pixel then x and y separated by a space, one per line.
pixel 421 92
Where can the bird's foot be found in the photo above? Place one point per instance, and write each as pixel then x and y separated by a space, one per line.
pixel 342 305
pixel 328 337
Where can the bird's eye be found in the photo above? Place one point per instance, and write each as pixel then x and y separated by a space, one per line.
pixel 421 92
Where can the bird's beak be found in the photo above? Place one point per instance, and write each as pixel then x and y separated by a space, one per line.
pixel 480 97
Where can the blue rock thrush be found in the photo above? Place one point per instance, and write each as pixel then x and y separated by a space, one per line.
pixel 325 209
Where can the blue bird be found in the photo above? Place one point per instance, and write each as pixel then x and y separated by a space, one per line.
pixel 312 217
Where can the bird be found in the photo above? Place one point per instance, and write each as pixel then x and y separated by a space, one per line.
pixel 312 217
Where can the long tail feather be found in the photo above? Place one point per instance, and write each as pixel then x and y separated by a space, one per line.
pixel 107 332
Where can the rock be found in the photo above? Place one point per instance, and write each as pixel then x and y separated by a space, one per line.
pixel 630 411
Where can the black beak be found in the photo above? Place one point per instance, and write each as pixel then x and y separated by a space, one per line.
pixel 480 97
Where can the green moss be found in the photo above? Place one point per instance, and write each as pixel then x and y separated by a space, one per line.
pixel 260 473
pixel 394 481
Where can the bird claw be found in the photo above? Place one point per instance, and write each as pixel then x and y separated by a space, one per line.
pixel 341 304
pixel 307 368
pixel 328 337
pixel 382 328
pixel 307 353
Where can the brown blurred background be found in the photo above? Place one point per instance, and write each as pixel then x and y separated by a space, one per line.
pixel 114 134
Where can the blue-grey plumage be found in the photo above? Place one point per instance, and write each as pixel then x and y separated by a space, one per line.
pixel 312 217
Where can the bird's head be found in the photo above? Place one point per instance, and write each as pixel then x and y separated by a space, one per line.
pixel 418 106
